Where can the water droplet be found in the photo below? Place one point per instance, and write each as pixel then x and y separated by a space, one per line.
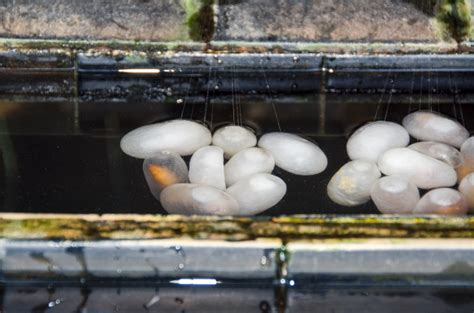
pixel 331 70
pixel 51 304
pixel 179 101
pixel 219 61
pixel 264 307
pixel 58 301
pixel 180 266
pixel 263 260
pixel 292 282
pixel 216 87
pixel 282 281
pixel 296 59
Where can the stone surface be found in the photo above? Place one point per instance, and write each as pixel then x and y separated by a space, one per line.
pixel 122 19
pixel 333 20
pixel 262 20
pixel 175 258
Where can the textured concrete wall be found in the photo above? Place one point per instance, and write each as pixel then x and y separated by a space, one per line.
pixel 325 20
pixel 248 20
pixel 117 19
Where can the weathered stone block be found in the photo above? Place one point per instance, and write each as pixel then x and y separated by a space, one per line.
pixel 97 19
pixel 326 20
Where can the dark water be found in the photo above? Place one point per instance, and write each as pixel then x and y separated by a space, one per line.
pixel 132 298
pixel 64 156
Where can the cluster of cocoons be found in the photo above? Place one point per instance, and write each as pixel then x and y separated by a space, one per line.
pixel 243 185
pixel 434 163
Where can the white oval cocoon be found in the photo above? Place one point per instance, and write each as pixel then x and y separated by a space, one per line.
pixel 467 151
pixel 233 139
pixel 429 126
pixel 372 139
pixel 466 187
pixel 206 167
pixel 445 201
pixel 180 136
pixel 395 195
pixel 424 171
pixel 439 151
pixel 257 193
pixel 351 184
pixel 164 169
pixel 248 162
pixel 193 199
pixel 294 154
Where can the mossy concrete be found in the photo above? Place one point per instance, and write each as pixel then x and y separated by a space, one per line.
pixel 93 227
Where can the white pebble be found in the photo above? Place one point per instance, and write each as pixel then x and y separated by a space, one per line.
pixel 181 136
pixel 395 195
pixel 257 193
pixel 439 151
pixel 351 184
pixel 467 151
pixel 164 169
pixel 373 139
pixel 445 201
pixel 206 167
pixel 294 154
pixel 466 187
pixel 429 126
pixel 248 162
pixel 233 139
pixel 193 199
pixel 424 171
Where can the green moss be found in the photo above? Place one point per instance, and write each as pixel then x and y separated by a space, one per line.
pixel 201 23
pixel 286 229
pixel 454 17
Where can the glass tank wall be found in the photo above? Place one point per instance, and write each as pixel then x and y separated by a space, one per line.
pixel 61 127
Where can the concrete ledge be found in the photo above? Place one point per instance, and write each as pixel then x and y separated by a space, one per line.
pixel 157 259
pixel 442 258
pixel 247 20
pixel 322 20
pixel 144 20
